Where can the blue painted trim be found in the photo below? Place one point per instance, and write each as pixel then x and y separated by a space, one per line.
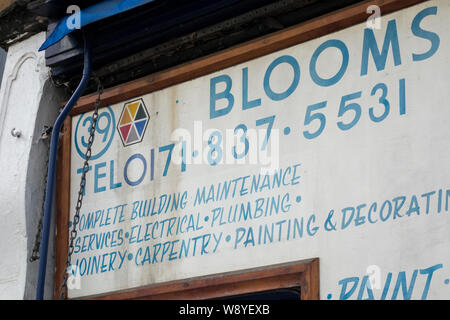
pixel 100 11
pixel 52 166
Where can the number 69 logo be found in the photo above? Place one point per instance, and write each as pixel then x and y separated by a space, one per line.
pixel 104 133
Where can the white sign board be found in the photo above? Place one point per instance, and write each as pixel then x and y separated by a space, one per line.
pixel 337 148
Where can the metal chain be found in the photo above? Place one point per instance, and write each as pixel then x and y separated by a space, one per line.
pixel 76 218
pixel 35 254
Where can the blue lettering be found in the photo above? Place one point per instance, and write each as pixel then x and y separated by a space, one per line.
pixel 424 34
pixel 338 76
pixel 214 96
pixel 295 81
pixel 370 45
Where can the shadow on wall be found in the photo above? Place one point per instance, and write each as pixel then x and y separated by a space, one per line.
pixel 35 187
pixel 2 63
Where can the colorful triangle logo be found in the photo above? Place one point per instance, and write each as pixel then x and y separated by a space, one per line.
pixel 133 121
pixel 125 117
pixel 140 126
pixel 124 130
pixel 133 108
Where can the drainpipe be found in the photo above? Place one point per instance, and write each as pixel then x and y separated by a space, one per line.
pixel 52 167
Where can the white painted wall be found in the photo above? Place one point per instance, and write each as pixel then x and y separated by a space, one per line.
pixel 28 102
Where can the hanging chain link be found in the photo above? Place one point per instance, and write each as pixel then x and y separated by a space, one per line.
pixel 73 233
pixel 35 254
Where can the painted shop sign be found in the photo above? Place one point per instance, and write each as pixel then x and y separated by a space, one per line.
pixel 336 148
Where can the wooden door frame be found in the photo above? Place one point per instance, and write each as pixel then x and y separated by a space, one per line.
pixel 303 274
pixel 273 42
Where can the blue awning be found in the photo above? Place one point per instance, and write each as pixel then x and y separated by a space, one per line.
pixel 97 12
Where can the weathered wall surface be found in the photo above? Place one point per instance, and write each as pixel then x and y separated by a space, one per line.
pixel 28 102
pixel 2 63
